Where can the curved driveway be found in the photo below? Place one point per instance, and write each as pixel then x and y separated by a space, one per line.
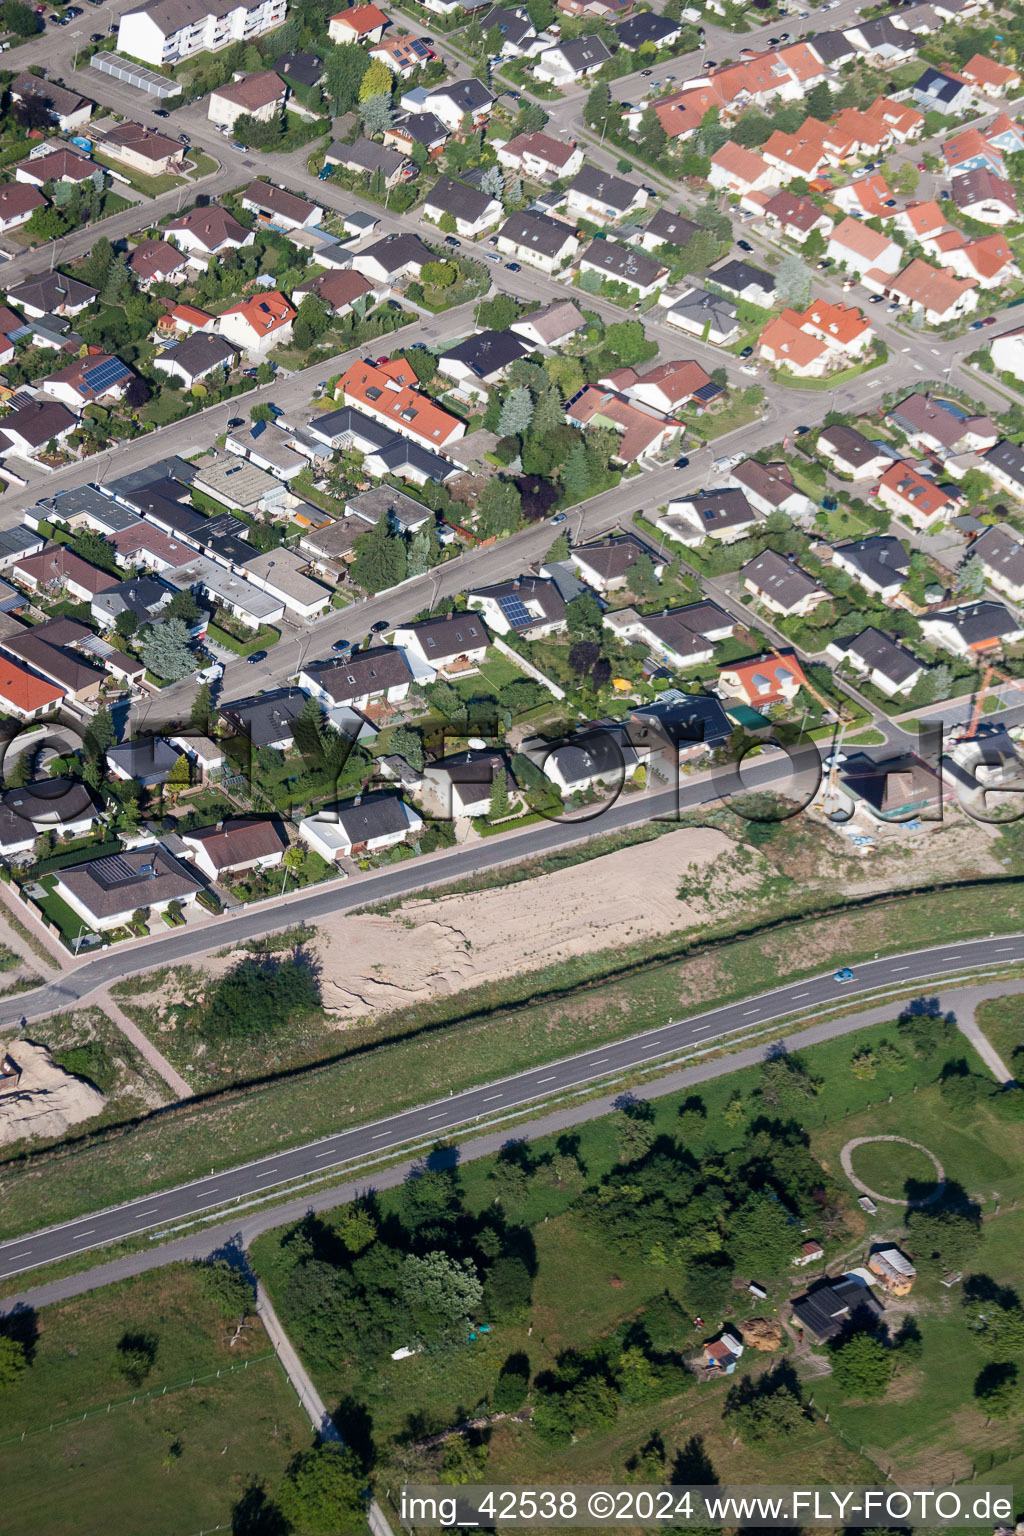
pixel 437 1119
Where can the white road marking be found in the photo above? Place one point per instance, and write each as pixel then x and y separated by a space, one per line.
pixel 901 968
pixel 750 1011
pixel 491 1097
pixel 380 1136
pixel 324 1154
pixel 547 1079
pixel 598 1060
pixel 797 995
pixel 438 1116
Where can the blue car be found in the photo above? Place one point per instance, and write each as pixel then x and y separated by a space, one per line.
pixel 844 975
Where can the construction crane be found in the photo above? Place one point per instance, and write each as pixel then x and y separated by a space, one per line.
pixel 967 732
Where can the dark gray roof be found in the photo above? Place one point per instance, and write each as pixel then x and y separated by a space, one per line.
pixel 402 455
pixel 469 95
pixel 832 47
pixel 60 101
pixel 368 156
pixel 398 250
pixel 363 672
pixel 200 353
pixel 173 468
pixel 780 577
pixel 978 622
pixel 513 27
pixel 598 753
pixel 1009 458
pixel 487 353
pixel 1001 551
pixel 142 595
pixel 124 881
pixel 423 128
pixel 404 510
pixel 43 803
pixel 266 718
pixel 645 27
pixel 880 33
pixel 90 500
pixel 936 85
pixel 602 186
pixel 442 639
pixel 726 508
pixel 737 275
pixel 706 306
pixel 687 718
pixel 458 198
pixel 50 291
pixel 538 589
pixel 584 53
pixel 147 758
pixel 623 263
pixel 346 421
pixel 877 651
pixel 538 231
pixel 882 558
pixel 374 816
pixel 306 68
pixel 613 556
pixel 849 444
pixel 830 1308
pixel 671 228
pixel 685 630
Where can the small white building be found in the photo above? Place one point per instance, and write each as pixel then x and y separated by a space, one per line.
pixel 365 825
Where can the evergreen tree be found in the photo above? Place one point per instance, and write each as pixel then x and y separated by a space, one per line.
pixel 199 714
pixel 576 475
pixel 418 559
pixel 516 413
pixel 501 507
pixel 380 558
pixel 499 795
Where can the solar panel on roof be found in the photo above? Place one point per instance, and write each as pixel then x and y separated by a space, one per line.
pixel 707 392
pixel 515 611
pixel 111 371
pixel 112 869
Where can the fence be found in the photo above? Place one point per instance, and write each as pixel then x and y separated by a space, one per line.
pixel 139 1397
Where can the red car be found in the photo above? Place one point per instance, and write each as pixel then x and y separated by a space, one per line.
pixel 381 361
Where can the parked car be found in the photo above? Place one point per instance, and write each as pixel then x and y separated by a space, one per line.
pixel 491 256
pixel 646 72
pixel 235 423
pixel 380 626
pixel 976 325
pixel 96 37
pixel 73 12
pixel 559 517
pixel 512 266
pixel 745 245
pixel 381 361
pixel 989 320
pixel 256 656
pixel 451 240
pixel 342 645
pixel 747 352
pixel 160 112
pixel 682 463
pixel 877 298
pixel 183 138
pixel 801 430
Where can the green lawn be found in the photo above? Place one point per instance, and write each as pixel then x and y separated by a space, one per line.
pixel 168 1465
pixel 149 186
pixel 260 641
pixel 888 1167
pixel 1002 1021
pixel 56 909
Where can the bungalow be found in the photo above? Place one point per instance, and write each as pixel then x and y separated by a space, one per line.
pixel 538 240
pixel 567 63
pixel 850 453
pixel 453 645
pixel 770 488
pixel 157 261
pixel 539 157
pixel 481 361
pixel 876 658
pixel 724 514
pixel 393 257
pixel 98 377
pixel 51 293
pixel 140 149
pixel 471 210
pixel 359 24
pixel 67 109
pixel 258 324
pixel 421 128
pixel 267 720
pixel 338 290
pixel 667 387
pixel 530 606
pixel 879 564
pixel 460 99
pixel 678 637
pixel 893 789
pixel 936 426
pixel 67 165
pixel 985 197
pixel 551 327
pixel 282 210
pixel 782 585
pixel 745 282
pixel 939 91
pixel 596 757
pixel 1001 553
pixel 598 195
pixel 624 264
pixel 29 429
pixel 365 158
pixel 236 846
pixel 359 827
pixel 665 228
pixel 195 357
pixel 261 96
pixel 378 675
pixel 106 892
pixel 773 679
pixel 1005 464
pixel 972 629
pixel 707 315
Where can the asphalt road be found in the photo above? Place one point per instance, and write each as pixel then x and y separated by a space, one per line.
pixel 435 1120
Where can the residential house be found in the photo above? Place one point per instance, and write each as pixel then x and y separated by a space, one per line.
pixel 850 453
pixel 707 315
pixel 796 217
pixel 771 680
pixel 678 728
pixel 937 426
pixel 663 227
pixel 825 336
pixel 140 595
pixel 261 96
pixel 667 387
pixel 596 194
pixel 157 261
pixel 911 495
pixel 108 891
pixel 988 259
pixel 972 151
pixel 985 197
pixel 644 434
pixel 459 99
pixel 972 629
pixel 650 29
pixel 990 77
pixel 448 646
pixel 66 109
pixel 359 24
pixel 360 680
pixel 18 202
pixel 60 805
pixel 606 566
pixel 421 128
pixel 724 514
pixel 267 720
pixel 68 165
pixel 29 429
pixel 403 55
pixel 739 170
pixel 148 761
pixel 209 231
pixel 876 658
pixel 51 293
pixel 471 210
pixel 338 290
pixel 208 579
pixel 196 356
pixel 258 324
pixel 539 157
pixel 567 63
pixel 1007 351
pixel 393 257
pixel 938 294
pixel 280 209
pixel 862 250
pixel 140 149
pixel 530 606
pixel 481 361
pixel 624 264
pixel 677 637
pixel 552 327
pixel 462 784
pixel 893 789
pixel 166 31
pixel 879 564
pixel 770 488
pixel 23 693
pixel 358 827
pixel 867 196
pixel 594 758
pixel 939 90
pixel 519 36
pixel 745 282
pixel 782 585
pixel 1001 553
pixel 538 240
pixel 235 847
pixel 97 378
pixel 366 158
pixel 1004 463
pixel 388 393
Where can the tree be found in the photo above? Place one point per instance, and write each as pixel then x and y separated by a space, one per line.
pixel 513 193
pixel 499 796
pixel 559 549
pixel 323 1492
pixel 699 251
pixel 598 106
pixel 584 618
pixel 183 606
pixel 760 1236
pixel 180 776
pixel 118 282
pixel 862 1366
pixel 442 1294
pixel 508 1287
pixel 418 553
pixel 642 580
pixel 463 1460
pixel 314 313
pixel 793 282
pixel 970 580
pixel 100 733
pixel 377 114
pixel 226 1287
pixel 407 743
pixel 439 274
pixel 516 412
pixel 12 1352
pixel 345 67
pixel 501 507
pixel 199 714
pixel 166 649
pixel 926 1029
pixel 998 1392
pixel 135 1356
pixel 377 81
pixel 634 1131
pixel 652 137
pixel 576 475
pixel 20 19
pixel 512 1384
pixel 493 181
pixel 947 1235
pixel 380 557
